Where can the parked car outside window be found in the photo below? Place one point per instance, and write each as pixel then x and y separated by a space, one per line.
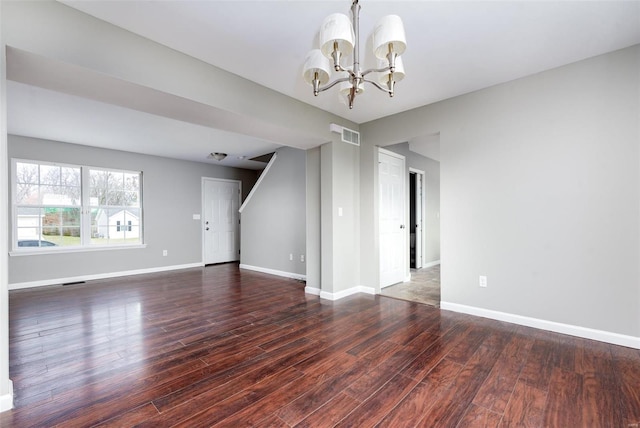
pixel 35 243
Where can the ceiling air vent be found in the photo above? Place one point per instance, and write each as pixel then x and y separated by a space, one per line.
pixel 348 135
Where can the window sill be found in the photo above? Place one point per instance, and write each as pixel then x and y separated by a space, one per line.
pixel 62 250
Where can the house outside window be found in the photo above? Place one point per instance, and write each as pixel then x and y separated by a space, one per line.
pixel 58 206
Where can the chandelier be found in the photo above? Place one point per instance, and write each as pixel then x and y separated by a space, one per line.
pixel 339 38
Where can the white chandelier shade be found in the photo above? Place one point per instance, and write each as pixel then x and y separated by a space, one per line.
pixel 336 28
pixel 316 66
pixel 389 37
pixel 339 38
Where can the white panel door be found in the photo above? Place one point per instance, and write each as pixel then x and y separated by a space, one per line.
pixel 221 201
pixel 393 231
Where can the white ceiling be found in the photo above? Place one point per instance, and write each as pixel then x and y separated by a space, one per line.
pixel 454 47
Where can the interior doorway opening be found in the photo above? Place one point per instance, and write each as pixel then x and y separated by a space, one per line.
pixel 416 218
pixel 422 202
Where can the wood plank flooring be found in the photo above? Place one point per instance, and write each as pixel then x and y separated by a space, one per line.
pixel 218 346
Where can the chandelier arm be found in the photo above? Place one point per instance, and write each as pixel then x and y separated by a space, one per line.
pixel 375 70
pixel 377 85
pixel 332 84
pixel 340 68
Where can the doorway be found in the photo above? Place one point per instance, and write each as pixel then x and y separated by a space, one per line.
pixel 416 218
pixel 422 207
pixel 221 220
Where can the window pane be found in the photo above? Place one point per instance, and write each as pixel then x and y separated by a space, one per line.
pixel 70 177
pixel 116 181
pixel 27 173
pixel 28 223
pixel 73 193
pixel 115 226
pixel 131 199
pixel 49 195
pixel 71 217
pixel 49 174
pixel 115 198
pixel 98 187
pixel 27 194
pixel 132 182
pixel 48 226
pixel 69 238
pixel 61 226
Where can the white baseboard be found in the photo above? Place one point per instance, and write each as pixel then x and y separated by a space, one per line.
pixel 430 264
pixel 312 290
pixel 6 400
pixel 275 272
pixel 347 292
pixel 58 281
pixel 572 330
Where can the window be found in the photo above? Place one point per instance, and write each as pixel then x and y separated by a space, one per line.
pixel 75 206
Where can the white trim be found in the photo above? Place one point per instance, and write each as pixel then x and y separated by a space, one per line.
pixel 275 272
pixel 572 330
pixel 6 400
pixel 430 264
pixel 255 186
pixel 348 292
pixel 390 153
pixel 61 250
pixel 58 281
pixel 312 290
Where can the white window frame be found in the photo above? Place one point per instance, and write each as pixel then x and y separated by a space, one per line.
pixel 85 213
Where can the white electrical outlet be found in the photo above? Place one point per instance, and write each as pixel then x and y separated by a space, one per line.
pixel 291 257
pixel 165 252
pixel 482 281
pixel 302 258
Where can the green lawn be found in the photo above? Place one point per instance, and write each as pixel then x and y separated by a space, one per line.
pixel 65 241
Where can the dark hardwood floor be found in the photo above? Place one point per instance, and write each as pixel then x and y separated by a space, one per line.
pixel 220 346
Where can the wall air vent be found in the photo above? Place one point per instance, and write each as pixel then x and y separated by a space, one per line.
pixel 348 135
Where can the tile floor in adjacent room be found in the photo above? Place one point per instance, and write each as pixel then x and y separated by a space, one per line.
pixel 424 287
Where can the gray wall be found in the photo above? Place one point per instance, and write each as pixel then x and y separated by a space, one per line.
pixel 313 209
pixel 540 192
pixel 273 223
pixel 171 195
pixel 340 216
pixel 431 193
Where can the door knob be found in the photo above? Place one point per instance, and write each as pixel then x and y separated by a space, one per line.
pixel 402 226
pixel 206 228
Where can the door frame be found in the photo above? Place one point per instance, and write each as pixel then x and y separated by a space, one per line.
pixel 202 205
pixel 420 208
